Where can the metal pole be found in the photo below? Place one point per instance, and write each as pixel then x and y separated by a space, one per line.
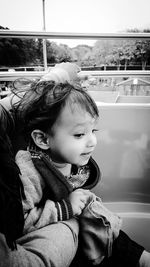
pixel 44 40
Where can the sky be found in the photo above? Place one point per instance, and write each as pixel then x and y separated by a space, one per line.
pixel 83 16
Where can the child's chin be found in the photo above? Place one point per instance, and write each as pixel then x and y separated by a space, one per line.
pixel 84 162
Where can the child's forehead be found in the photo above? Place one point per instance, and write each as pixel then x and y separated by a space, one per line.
pixel 76 116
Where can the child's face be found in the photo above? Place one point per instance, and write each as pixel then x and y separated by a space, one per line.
pixel 73 139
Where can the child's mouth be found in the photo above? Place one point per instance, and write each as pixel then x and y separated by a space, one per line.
pixel 88 154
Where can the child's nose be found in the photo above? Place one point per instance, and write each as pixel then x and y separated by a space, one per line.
pixel 92 141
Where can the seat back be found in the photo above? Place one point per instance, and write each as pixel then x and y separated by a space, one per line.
pixel 104 96
pixel 133 99
pixel 123 151
pixel 123 155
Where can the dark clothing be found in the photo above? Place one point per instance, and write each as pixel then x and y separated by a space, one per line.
pixel 12 218
pixel 125 253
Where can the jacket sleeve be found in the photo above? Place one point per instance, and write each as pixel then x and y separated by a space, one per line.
pixel 38 214
pixel 50 212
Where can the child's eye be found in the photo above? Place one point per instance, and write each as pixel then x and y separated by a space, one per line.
pixel 95 130
pixel 79 135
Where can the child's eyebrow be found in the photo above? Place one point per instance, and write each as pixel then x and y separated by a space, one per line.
pixel 81 124
pixel 78 126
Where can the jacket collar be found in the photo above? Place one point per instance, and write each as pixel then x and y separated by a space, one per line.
pixel 57 184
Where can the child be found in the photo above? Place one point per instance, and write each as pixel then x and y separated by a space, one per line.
pixel 44 247
pixel 60 124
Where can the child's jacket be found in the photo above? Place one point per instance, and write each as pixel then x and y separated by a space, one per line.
pixel 47 190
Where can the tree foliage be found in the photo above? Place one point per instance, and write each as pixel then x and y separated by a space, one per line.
pixel 119 53
pixel 19 52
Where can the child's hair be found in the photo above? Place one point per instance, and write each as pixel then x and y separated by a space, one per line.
pixel 43 102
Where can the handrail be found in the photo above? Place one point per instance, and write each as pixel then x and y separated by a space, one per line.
pixel 10 76
pixel 71 35
pixel 116 73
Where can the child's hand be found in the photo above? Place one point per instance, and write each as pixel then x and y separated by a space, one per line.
pixel 78 200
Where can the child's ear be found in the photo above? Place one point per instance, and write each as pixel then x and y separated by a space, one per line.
pixel 40 139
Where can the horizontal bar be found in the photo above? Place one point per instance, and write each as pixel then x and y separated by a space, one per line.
pixel 116 73
pixel 125 106
pixel 71 35
pixel 11 76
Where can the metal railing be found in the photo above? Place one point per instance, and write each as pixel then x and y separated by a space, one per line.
pixel 71 35
pixel 63 35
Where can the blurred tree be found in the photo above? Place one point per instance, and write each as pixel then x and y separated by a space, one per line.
pixel 142 53
pixel 123 53
pixel 119 53
pixel 11 51
pixel 19 52
pixel 39 52
pixel 82 54
pixel 64 53
pixel 32 54
pixel 141 50
pixel 58 53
